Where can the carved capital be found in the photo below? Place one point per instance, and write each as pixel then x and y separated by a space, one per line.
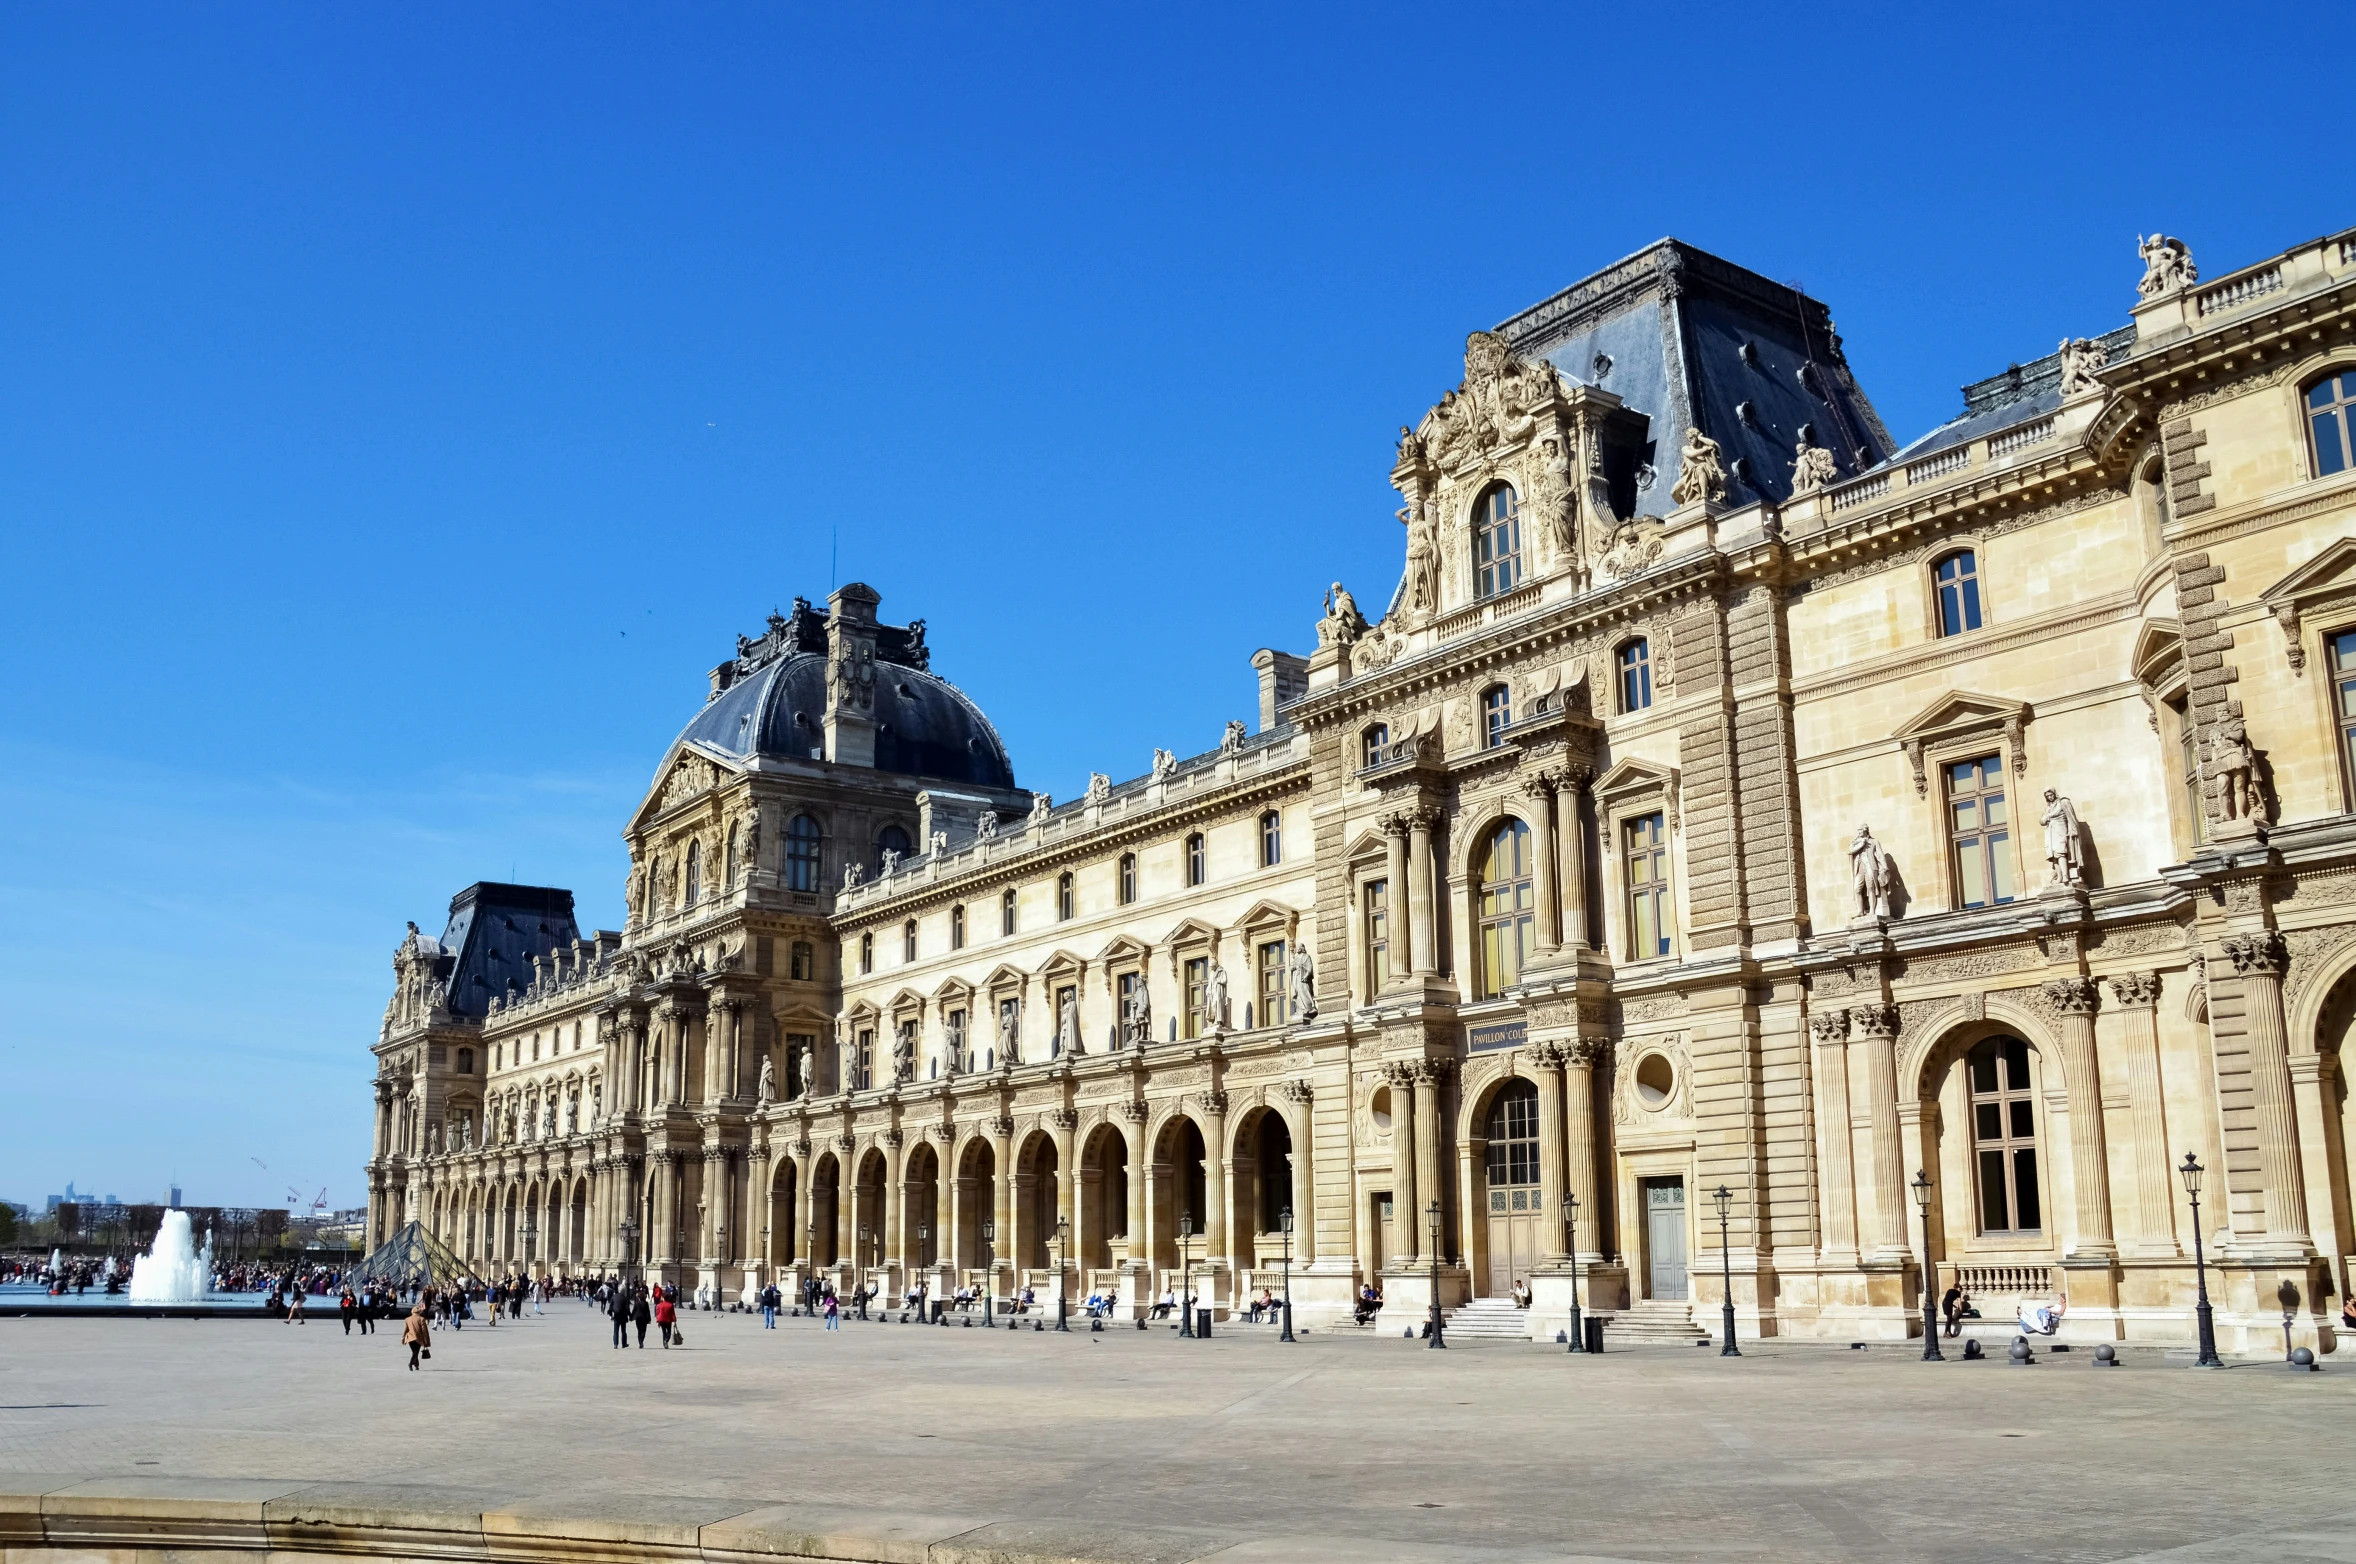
pixel 1214 1104
pixel 944 1133
pixel 1133 1110
pixel 1541 786
pixel 1549 1056
pixel 1063 1120
pixel 2135 990
pixel 1586 1053
pixel 846 1143
pixel 1295 1091
pixel 1395 825
pixel 1873 1020
pixel 1424 817
pixel 1832 1026
pixel 999 1128
pixel 1434 1072
pixel 2258 954
pixel 891 1137
pixel 801 1148
pixel 1399 1072
pixel 2072 996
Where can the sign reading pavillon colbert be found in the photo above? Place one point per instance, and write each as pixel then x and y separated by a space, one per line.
pixel 1750 842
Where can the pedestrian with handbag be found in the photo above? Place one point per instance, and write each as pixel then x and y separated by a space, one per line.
pixel 417 1337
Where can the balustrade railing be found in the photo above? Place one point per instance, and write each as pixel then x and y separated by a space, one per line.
pixel 1954 459
pixel 1979 1279
pixel 2234 292
pixel 2020 437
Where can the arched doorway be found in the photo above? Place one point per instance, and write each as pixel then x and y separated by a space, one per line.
pixel 1180 1196
pixel 580 1244
pixel 977 1177
pixel 1037 1173
pixel 921 1188
pixel 1104 1198
pixel 868 1217
pixel 785 1230
pixel 1509 1167
pixel 825 1206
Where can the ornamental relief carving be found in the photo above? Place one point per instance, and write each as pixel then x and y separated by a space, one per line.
pixel 1966 964
pixel 2142 939
pixel 1186 1075
pixel 2309 951
pixel 691 776
pixel 1658 1007
pixel 1038 1096
pixel 1254 1069
pixel 1631 1110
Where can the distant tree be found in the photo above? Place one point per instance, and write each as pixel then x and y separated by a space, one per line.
pixel 7 1224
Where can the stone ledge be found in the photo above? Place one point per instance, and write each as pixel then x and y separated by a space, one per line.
pixel 136 1520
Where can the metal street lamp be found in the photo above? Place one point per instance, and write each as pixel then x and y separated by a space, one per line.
pixel 862 1279
pixel 990 1273
pixel 1725 1199
pixel 1185 1274
pixel 1570 1222
pixel 1432 1219
pixel 1063 1259
pixel 761 1266
pixel 2191 1172
pixel 1286 1223
pixel 810 1256
pixel 1930 1319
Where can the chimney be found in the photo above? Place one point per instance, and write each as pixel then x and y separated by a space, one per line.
pixel 1284 679
pixel 850 675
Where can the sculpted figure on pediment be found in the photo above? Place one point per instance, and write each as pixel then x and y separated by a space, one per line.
pixel 1041 803
pixel 1701 475
pixel 1632 545
pixel 1342 624
pixel 2167 265
pixel 1812 468
pixel 2079 360
pixel 1553 504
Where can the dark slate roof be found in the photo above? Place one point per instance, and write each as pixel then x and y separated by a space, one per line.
pixel 2023 392
pixel 494 932
pixel 925 726
pixel 1691 341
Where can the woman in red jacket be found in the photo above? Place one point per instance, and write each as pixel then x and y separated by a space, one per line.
pixel 666 1314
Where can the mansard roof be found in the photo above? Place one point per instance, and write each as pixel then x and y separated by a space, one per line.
pixel 494 932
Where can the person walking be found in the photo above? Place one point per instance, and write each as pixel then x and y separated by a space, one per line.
pixel 617 1306
pixel 834 1311
pixel 666 1314
pixel 349 1308
pixel 416 1336
pixel 641 1315
pixel 769 1307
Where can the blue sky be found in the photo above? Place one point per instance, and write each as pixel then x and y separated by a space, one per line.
pixel 402 407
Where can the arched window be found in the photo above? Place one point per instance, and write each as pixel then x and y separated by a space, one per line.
pixel 2004 1136
pixel 891 839
pixel 695 872
pixel 1496 715
pixel 1508 903
pixel 1512 1133
pixel 1635 666
pixel 1194 859
pixel 2331 423
pixel 1271 839
pixel 867 953
pixel 1497 542
pixel 801 854
pixel 733 837
pixel 1063 897
pixel 957 928
pixel 1006 912
pixel 1128 878
pixel 1371 742
pixel 1957 578
pixel 908 940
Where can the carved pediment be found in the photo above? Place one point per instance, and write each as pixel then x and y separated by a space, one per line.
pixel 1191 931
pixel 1264 915
pixel 906 1001
pixel 1063 966
pixel 1123 949
pixel 1962 714
pixel 1003 976
pixel 2159 651
pixel 1632 776
pixel 692 775
pixel 953 991
pixel 2326 583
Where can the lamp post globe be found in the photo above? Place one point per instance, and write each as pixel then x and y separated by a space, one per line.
pixel 1930 1318
pixel 1725 1199
pixel 1570 1222
pixel 2191 1172
pixel 1286 1223
pixel 1433 1217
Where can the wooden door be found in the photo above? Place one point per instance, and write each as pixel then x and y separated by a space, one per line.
pixel 1664 1237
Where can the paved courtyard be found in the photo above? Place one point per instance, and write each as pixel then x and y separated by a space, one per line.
pixel 1128 1445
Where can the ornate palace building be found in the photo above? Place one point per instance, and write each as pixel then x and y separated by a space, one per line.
pixel 1735 822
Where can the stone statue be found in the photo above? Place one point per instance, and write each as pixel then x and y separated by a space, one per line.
pixel 1041 803
pixel 1701 475
pixel 1423 559
pixel 1067 1028
pixel 433 1132
pixel 1551 497
pixel 2233 761
pixel 1100 789
pixel 985 827
pixel 904 1052
pixel 548 1119
pixel 466 1132
pixel 2065 854
pixel 2167 265
pixel 765 1091
pixel 2079 360
pixel 572 1115
pixel 1010 1033
pixel 1140 1016
pixel 1215 996
pixel 806 1063
pixel 852 875
pixel 1812 468
pixel 1304 983
pixel 1872 873
pixel 1232 740
pixel 1342 624
pixel 939 843
pixel 752 839
pixel 1163 764
pixel 891 861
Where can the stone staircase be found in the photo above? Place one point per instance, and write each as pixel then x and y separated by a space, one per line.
pixel 1488 1319
pixel 1652 1323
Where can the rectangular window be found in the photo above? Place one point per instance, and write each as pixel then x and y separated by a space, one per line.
pixel 2343 696
pixel 863 1066
pixel 1006 914
pixel 1378 936
pixel 2004 1136
pixel 1272 983
pixel 1958 578
pixel 1635 676
pixel 1271 839
pixel 804 966
pixel 1496 715
pixel 1650 920
pixel 2188 760
pixel 1979 824
pixel 866 953
pixel 1124 986
pixel 1198 984
pixel 801 1049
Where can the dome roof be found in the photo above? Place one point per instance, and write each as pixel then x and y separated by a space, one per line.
pixel 924 726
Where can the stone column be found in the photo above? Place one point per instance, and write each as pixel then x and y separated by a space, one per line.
pixel 715 1051
pixel 759 1202
pixel 1406 1222
pixel 1574 855
pixel 846 1200
pixel 1426 944
pixel 1878 1026
pixel 1837 1185
pixel 1395 893
pixel 1540 792
pixel 798 1242
pixel 2073 1000
pixel 895 1211
pixel 1133 1118
pixel 1303 1128
pixel 1216 1165
pixel 715 1207
pixel 1063 1122
pixel 1550 1058
pixel 665 1221
pixel 1002 1186
pixel 2259 961
pixel 1579 1150
pixel 1429 1073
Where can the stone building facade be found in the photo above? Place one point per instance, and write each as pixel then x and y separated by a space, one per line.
pixel 1735 822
